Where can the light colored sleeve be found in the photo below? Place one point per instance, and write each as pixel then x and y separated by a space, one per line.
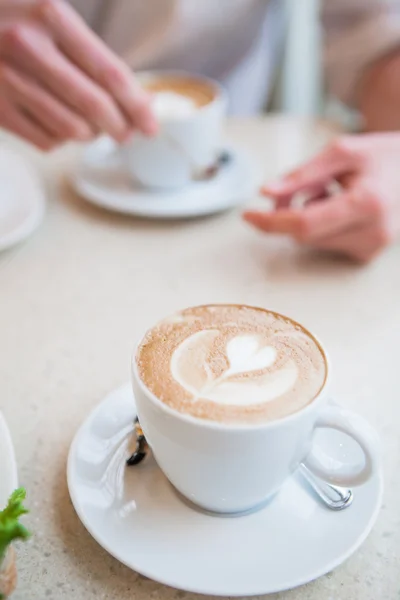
pixel 357 32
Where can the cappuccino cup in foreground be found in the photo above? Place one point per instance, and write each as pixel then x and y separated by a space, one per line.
pixel 190 110
pixel 229 397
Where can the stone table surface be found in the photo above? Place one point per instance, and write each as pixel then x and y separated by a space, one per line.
pixel 76 295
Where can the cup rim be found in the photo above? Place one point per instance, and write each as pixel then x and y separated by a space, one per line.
pixel 220 92
pixel 238 427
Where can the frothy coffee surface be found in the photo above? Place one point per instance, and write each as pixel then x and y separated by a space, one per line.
pixel 232 364
pixel 178 97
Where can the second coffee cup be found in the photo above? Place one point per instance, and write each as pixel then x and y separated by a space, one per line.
pixel 190 110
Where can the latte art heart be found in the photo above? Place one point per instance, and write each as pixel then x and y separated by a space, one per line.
pixel 231 363
pixel 245 356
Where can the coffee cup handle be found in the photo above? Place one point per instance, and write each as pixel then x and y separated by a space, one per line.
pixel 331 469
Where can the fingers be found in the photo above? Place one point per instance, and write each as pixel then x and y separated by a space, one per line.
pixel 34 53
pixel 312 194
pixel 319 219
pixel 340 158
pixel 354 223
pixel 315 221
pixel 47 41
pixel 359 243
pixel 88 52
pixel 20 124
pixel 54 116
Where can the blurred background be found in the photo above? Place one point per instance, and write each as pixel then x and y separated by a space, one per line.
pixel 299 87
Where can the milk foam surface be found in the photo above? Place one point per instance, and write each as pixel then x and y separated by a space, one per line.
pixel 232 363
pixel 170 105
pixel 178 97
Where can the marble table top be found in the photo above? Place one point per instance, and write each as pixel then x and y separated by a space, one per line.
pixel 74 298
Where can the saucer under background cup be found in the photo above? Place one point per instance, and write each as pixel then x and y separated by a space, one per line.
pixel 102 178
pixel 136 515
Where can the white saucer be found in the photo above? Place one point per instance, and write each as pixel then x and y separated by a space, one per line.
pixel 102 179
pixel 8 465
pixel 134 513
pixel 21 198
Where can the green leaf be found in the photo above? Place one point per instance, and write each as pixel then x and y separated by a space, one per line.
pixel 10 527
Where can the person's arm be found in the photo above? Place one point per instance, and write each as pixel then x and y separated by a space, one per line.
pixel 363 70
pixel 362 58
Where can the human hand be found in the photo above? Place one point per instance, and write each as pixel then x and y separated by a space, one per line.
pixel 58 80
pixel 362 219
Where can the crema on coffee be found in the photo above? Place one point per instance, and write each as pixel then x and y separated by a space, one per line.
pixel 232 364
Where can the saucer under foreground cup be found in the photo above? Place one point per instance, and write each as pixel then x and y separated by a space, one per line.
pixel 102 178
pixel 135 514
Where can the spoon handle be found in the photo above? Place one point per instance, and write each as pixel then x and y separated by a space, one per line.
pixel 334 497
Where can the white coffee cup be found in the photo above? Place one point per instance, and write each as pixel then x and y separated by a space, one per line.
pixel 234 468
pixel 183 148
